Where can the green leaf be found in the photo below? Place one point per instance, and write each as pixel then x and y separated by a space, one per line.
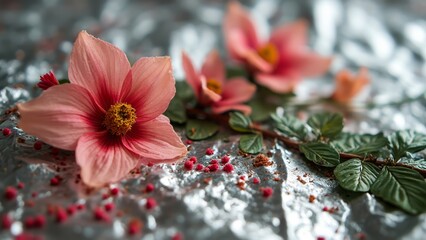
pixel 239 122
pixel 261 109
pixel 406 141
pixel 184 91
pixel 356 175
pixel 63 81
pixel 320 153
pixel 359 143
pixel 251 143
pixel 402 187
pixel 200 129
pixel 417 162
pixel 235 72
pixel 326 124
pixel 290 126
pixel 176 111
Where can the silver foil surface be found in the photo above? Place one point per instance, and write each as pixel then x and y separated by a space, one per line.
pixel 386 36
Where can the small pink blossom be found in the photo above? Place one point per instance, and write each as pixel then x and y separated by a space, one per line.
pixel 213 89
pixel 278 63
pixel 110 113
pixel 48 80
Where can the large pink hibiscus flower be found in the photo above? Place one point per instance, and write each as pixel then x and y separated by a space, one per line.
pixel 212 89
pixel 110 113
pixel 278 63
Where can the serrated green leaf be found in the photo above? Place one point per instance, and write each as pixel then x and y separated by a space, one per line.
pixel 417 162
pixel 261 109
pixel 356 175
pixel 290 126
pixel 64 81
pixel 200 129
pixel 359 143
pixel 251 143
pixel 239 122
pixel 402 187
pixel 406 141
pixel 326 124
pixel 176 111
pixel 320 153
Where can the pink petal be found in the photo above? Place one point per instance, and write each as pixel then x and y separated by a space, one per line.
pixel 290 36
pixel 61 115
pixel 213 67
pixel 155 139
pixel 237 90
pixel 237 107
pixel 311 64
pixel 207 95
pixel 99 67
pixel 103 160
pixel 278 83
pixel 153 87
pixel 192 77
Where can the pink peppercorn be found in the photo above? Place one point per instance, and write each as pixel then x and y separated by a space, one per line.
pixel 71 209
pixel 61 215
pixel 209 151
pixel 228 168
pixel 54 181
pixel 214 161
pixel 199 167
pixel 6 132
pixel 109 207
pixel 20 185
pixel 193 159
pixel 150 203
pixel 267 192
pixel 189 165
pixel 100 215
pixel 149 187
pixel 6 221
pixel 38 145
pixel 114 191
pixel 177 236
pixel 225 159
pixel 213 167
pixel 29 222
pixel 256 180
pixel 39 221
pixel 188 142
pixel 80 207
pixel 134 227
pixel 10 193
pixel 320 238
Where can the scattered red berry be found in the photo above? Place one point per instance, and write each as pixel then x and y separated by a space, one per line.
pixel 214 167
pixel 243 177
pixel 29 222
pixel 149 188
pixel 267 192
pixel 134 227
pixel 225 159
pixel 20 185
pixel 80 207
pixel 325 209
pixel 209 151
pixel 39 221
pixel 114 191
pixel 188 142
pixel 10 193
pixel 55 181
pixel 71 209
pixel 38 145
pixel 150 203
pixel 199 167
pixel 61 215
pixel 6 132
pixel 320 238
pixel 193 159
pixel 189 165
pixel 177 236
pixel 214 161
pixel 109 207
pixel 228 168
pixel 256 180
pixel 34 194
pixel 6 221
pixel 150 164
pixel 206 170
pixel 101 215
pixel 360 236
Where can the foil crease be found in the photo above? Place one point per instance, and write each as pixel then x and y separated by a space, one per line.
pixel 388 37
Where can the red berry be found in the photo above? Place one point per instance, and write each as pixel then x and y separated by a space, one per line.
pixel 267 192
pixel 6 132
pixel 213 167
pixel 61 216
pixel 109 207
pixel 134 227
pixel 193 159
pixel 71 209
pixel 39 221
pixel 256 180
pixel 38 145
pixel 149 188
pixel 243 177
pixel 55 181
pixel 10 193
pixel 150 203
pixel 150 164
pixel 320 238
pixel 188 142
pixel 199 167
pixel 6 221
pixel 228 168
pixel 80 207
pixel 100 215
pixel 29 222
pixel 209 151
pixel 225 159
pixel 114 191
pixel 177 236
pixel 325 209
pixel 20 185
pixel 189 165
pixel 214 161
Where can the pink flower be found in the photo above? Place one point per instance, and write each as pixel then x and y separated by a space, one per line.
pixel 212 89
pixel 349 85
pixel 110 113
pixel 47 80
pixel 278 63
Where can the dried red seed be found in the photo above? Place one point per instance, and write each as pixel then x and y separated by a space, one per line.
pixel 149 187
pixel 177 236
pixel 55 181
pixel 38 145
pixel 20 185
pixel 100 215
pixel 61 215
pixel 199 167
pixel 193 159
pixel 80 207
pixel 256 180
pixel 10 193
pixel 109 207
pixel 29 222
pixel 105 196
pixel 225 159
pixel 267 192
pixel 34 194
pixel 206 169
pixel 188 142
pixel 214 167
pixel 6 132
pixel 243 177
pixel 209 151
pixel 6 221
pixel 134 227
pixel 228 168
pixel 214 161
pixel 325 209
pixel 114 191
pixel 189 165
pixel 150 203
pixel 71 209
pixel 39 221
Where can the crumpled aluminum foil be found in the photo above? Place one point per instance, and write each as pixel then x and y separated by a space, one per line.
pixel 386 36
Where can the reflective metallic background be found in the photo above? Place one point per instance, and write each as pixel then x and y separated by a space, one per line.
pixel 388 37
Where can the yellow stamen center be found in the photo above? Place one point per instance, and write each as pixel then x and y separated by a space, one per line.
pixel 215 86
pixel 120 118
pixel 269 53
